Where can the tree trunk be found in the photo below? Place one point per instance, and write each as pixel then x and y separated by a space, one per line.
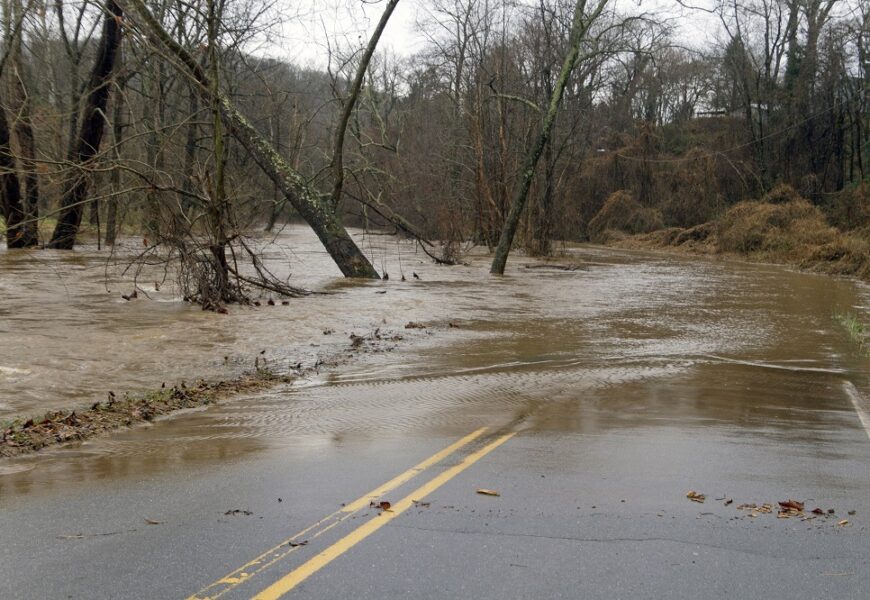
pixel 542 218
pixel 543 223
pixel 579 27
pixel 216 209
pixel 190 148
pixel 307 202
pixel 23 126
pixel 17 226
pixel 91 132
pixel 275 207
pixel 115 178
pixel 349 103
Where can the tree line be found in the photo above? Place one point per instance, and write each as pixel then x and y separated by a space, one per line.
pixel 511 126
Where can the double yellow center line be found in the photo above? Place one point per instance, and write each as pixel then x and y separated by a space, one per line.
pixel 298 575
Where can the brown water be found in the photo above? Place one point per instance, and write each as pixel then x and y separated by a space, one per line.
pixel 627 342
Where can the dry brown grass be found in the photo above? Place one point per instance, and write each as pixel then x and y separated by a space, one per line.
pixel 782 193
pixel 621 213
pixel 787 229
pixel 781 231
pixel 849 254
pixel 850 208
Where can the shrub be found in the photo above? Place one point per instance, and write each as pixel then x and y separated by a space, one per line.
pixel 789 227
pixel 850 209
pixel 782 193
pixel 622 213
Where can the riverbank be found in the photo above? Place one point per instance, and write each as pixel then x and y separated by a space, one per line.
pixel 781 229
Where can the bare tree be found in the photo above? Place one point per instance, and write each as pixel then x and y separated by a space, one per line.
pixel 90 133
pixel 582 22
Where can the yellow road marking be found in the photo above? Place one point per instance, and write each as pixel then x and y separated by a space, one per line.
pixel 297 576
pixel 272 555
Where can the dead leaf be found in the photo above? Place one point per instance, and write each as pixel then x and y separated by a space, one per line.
pixel 488 492
pixel 792 505
pixel 153 522
pixel 817 511
pixel 696 497
pixel 382 505
pixel 297 544
pixel 843 523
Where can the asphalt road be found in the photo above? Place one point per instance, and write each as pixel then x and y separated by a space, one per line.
pixel 599 514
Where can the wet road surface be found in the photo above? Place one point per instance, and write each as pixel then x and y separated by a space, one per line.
pixel 591 400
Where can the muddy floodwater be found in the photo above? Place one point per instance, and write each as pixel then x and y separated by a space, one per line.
pixel 620 342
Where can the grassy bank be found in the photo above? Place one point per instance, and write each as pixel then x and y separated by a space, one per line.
pixel 780 228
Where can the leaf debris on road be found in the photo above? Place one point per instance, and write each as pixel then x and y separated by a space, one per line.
pixel 787 509
pixel 695 496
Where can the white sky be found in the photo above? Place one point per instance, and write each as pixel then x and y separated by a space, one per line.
pixel 305 36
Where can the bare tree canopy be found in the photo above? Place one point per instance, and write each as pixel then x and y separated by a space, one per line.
pixel 509 125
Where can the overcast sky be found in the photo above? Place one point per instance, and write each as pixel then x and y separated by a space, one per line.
pixel 312 24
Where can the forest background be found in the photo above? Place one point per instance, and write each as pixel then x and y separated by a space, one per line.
pixel 665 126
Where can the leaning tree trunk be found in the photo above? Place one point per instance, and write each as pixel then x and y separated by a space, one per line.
pixel 307 202
pixel 579 27
pixel 90 132
pixel 349 103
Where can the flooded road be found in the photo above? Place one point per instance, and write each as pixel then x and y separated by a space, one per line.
pixel 627 381
pixel 640 338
